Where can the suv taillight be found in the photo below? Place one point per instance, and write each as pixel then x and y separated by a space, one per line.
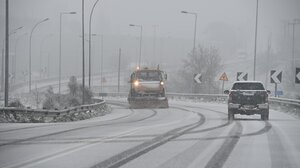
pixel 230 96
pixel 266 97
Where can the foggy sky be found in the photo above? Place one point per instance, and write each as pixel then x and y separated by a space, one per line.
pixel 113 16
pixel 232 22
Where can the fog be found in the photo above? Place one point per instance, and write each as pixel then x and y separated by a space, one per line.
pixel 167 33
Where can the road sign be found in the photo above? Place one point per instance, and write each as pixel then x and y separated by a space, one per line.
pixel 198 78
pixel 297 76
pixel 242 76
pixel 276 76
pixel 279 92
pixel 223 77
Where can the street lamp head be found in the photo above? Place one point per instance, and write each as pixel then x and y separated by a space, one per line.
pixel 19 28
pixel 15 31
pixel 184 12
pixel 131 25
pixel 45 19
pixel 72 12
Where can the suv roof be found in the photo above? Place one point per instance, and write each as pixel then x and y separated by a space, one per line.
pixel 247 82
pixel 248 85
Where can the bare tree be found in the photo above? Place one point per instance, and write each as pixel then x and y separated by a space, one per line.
pixel 205 61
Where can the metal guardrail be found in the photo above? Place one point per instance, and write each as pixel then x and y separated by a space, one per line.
pixel 223 97
pixel 284 101
pixel 13 114
pixel 215 97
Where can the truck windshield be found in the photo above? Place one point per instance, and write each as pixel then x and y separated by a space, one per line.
pixel 148 75
pixel 248 86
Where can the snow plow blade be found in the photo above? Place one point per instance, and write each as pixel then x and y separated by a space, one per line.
pixel 142 102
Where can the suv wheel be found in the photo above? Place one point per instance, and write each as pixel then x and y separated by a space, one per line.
pixel 265 115
pixel 230 115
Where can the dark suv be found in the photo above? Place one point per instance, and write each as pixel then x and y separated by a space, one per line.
pixel 248 98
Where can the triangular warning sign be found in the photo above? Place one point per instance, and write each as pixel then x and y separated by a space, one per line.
pixel 224 77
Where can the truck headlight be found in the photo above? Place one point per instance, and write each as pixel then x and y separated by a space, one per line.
pixel 136 83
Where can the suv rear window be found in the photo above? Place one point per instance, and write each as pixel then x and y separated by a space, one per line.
pixel 248 86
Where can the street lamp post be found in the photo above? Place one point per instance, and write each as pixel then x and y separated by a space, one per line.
pixel 195 28
pixel 141 36
pixel 30 40
pixel 154 42
pixel 14 65
pixel 3 73
pixel 101 59
pixel 296 21
pixel 82 29
pixel 255 42
pixel 90 42
pixel 60 21
pixel 194 42
pixel 41 52
pixel 6 53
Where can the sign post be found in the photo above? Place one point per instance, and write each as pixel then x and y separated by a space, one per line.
pixel 223 78
pixel 276 77
pixel 276 95
pixel 197 80
pixel 297 78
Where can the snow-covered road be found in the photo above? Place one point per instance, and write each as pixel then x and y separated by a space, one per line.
pixel 185 135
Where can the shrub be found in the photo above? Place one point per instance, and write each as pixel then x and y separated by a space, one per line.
pixel 51 101
pixel 73 86
pixel 73 98
pixel 16 103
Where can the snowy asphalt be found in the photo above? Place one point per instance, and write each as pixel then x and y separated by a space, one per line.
pixel 185 135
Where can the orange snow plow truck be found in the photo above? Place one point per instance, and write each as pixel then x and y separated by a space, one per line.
pixel 147 89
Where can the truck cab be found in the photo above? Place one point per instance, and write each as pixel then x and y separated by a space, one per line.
pixel 147 86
